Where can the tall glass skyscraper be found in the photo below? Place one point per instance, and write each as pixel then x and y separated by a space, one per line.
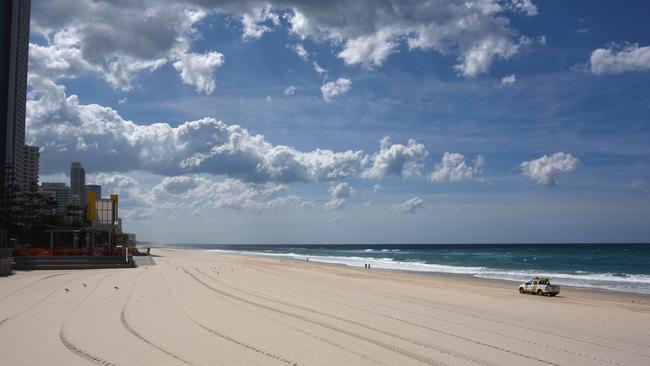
pixel 14 48
pixel 78 182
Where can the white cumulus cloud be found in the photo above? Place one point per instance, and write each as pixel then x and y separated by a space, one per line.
pixel 61 125
pixel 339 194
pixel 335 89
pixel 197 69
pixel 454 168
pixel 198 192
pixel 319 69
pixel 509 80
pixel 56 122
pixel 370 50
pixel 616 60
pixel 118 39
pixel 300 50
pixel 114 40
pixel 475 32
pixel 259 21
pixel 398 160
pixel 545 169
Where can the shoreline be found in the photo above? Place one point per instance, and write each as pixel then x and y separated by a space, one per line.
pixel 485 280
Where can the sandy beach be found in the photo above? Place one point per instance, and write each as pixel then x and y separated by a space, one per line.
pixel 197 308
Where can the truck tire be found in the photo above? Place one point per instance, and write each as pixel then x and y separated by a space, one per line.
pixel 540 292
pixel 521 290
pixel 553 295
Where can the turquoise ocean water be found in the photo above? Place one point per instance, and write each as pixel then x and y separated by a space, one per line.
pixel 619 267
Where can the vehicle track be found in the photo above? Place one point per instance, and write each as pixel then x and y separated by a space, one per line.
pixel 57 288
pixel 537 329
pixel 498 320
pixel 399 350
pixel 317 337
pixel 523 340
pixel 449 334
pixel 77 350
pixel 128 327
pixel 222 335
pixel 38 280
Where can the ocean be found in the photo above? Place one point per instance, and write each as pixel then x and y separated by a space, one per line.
pixel 618 267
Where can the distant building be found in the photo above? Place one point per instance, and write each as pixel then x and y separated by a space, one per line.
pixel 14 49
pixel 94 188
pixel 27 175
pixel 60 192
pixel 78 182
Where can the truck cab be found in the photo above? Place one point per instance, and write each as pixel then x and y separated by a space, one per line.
pixel 539 285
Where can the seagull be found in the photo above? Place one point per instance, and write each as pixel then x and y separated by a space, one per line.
pixel 67 290
pixel 85 285
pixel 117 288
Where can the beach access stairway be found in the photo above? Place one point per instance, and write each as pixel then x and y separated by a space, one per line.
pixel 27 263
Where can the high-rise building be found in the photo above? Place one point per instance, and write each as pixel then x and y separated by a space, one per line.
pixel 78 182
pixel 27 176
pixel 14 49
pixel 94 188
pixel 60 192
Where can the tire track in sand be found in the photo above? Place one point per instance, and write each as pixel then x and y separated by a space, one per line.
pixel 128 327
pixel 455 309
pixel 77 350
pixel 468 326
pixel 40 301
pixel 513 323
pixel 221 335
pixel 440 349
pixel 38 280
pixel 390 347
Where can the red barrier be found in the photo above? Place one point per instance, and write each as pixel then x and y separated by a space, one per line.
pixel 69 252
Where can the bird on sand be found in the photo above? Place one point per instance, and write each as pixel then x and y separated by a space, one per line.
pixel 117 288
pixel 85 285
pixel 67 290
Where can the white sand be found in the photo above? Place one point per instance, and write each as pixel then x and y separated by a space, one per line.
pixel 219 309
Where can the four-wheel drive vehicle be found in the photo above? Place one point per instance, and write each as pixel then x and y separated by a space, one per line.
pixel 539 286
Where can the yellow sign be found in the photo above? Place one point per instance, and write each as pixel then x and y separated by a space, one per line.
pixel 91 206
pixel 114 199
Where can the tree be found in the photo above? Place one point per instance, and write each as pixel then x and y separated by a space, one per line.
pixel 9 205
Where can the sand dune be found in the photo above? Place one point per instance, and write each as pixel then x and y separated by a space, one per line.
pixel 219 309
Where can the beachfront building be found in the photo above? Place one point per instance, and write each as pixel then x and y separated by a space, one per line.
pixel 107 213
pixel 102 218
pixel 94 188
pixel 78 182
pixel 27 175
pixel 102 212
pixel 59 192
pixel 14 49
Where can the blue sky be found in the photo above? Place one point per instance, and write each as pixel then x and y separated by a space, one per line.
pixel 508 120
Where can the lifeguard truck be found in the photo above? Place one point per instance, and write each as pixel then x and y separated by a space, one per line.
pixel 539 285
